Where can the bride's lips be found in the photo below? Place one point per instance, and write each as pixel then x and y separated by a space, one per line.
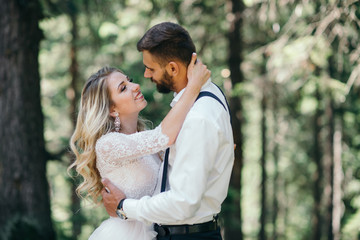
pixel 139 96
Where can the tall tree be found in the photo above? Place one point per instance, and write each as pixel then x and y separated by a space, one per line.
pixel 275 153
pixel 233 229
pixel 337 180
pixel 329 165
pixel 73 96
pixel 318 174
pixel 24 194
pixel 336 174
pixel 263 215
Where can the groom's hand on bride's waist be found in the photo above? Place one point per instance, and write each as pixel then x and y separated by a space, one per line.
pixel 111 196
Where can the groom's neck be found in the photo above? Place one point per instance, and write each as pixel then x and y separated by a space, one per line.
pixel 180 81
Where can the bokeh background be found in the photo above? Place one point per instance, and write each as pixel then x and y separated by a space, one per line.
pixel 290 69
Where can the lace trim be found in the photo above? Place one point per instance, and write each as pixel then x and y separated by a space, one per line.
pixel 117 149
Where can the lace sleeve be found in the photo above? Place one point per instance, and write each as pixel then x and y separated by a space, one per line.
pixel 116 147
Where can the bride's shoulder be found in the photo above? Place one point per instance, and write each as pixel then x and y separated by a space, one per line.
pixel 110 138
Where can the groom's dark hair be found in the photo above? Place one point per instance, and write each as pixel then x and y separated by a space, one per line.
pixel 166 42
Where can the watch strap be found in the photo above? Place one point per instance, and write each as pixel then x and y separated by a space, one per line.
pixel 121 203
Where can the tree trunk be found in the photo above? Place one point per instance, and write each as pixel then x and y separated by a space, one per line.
pixel 233 228
pixel 337 172
pixel 318 174
pixel 73 96
pixel 263 130
pixel 262 233
pixel 329 166
pixel 338 177
pixel 276 156
pixel 24 194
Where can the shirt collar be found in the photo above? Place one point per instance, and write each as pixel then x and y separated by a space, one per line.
pixel 178 95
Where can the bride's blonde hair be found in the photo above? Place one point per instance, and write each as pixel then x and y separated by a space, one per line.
pixel 93 121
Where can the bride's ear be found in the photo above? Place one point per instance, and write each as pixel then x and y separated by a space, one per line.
pixel 112 112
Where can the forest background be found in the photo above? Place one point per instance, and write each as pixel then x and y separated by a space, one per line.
pixel 290 69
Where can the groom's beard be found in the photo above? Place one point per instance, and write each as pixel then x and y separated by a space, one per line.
pixel 165 84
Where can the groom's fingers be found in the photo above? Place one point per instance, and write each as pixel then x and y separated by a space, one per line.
pixel 111 190
pixel 111 196
pixel 108 186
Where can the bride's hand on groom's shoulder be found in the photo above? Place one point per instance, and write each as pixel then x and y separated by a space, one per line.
pixel 111 196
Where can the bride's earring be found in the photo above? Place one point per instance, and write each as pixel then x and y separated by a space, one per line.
pixel 117 122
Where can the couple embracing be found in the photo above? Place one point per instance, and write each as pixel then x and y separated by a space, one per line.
pixel 165 183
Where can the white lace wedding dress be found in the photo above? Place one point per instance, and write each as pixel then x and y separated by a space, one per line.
pixel 132 163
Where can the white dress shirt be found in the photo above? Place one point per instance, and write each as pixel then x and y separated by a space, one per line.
pixel 200 165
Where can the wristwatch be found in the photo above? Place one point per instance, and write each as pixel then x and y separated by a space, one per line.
pixel 120 211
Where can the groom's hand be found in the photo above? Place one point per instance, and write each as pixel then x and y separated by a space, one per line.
pixel 111 196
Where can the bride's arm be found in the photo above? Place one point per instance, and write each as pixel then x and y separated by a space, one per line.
pixel 113 147
pixel 197 75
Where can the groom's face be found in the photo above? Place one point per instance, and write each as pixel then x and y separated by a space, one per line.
pixel 157 74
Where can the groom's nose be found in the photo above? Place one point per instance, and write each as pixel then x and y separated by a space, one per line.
pixel 147 73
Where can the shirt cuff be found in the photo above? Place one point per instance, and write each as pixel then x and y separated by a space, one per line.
pixel 129 207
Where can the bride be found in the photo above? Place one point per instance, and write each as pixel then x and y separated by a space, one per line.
pixel 110 141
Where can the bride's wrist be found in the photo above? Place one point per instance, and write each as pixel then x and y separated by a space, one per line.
pixel 193 89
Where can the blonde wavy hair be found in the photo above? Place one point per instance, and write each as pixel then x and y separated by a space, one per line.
pixel 93 121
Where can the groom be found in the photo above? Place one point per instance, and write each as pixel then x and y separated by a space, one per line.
pixel 201 160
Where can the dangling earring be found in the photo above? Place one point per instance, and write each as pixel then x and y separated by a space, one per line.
pixel 117 122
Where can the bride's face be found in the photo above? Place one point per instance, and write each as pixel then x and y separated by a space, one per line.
pixel 125 95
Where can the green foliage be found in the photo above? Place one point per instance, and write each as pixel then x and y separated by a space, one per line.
pixel 293 50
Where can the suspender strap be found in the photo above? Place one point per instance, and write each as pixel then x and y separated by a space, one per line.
pixel 167 152
pixel 210 94
pixel 164 175
pixel 227 104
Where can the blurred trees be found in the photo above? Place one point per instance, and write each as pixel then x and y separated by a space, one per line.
pixel 311 59
pixel 291 72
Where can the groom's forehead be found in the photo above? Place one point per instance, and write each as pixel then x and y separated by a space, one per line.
pixel 150 60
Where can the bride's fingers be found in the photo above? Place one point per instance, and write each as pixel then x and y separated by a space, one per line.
pixel 208 74
pixel 193 60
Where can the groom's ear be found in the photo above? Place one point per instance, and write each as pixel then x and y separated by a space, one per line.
pixel 172 68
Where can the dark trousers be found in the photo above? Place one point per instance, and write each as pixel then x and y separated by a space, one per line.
pixel 213 235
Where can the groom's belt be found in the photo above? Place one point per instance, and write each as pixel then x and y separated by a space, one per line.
pixel 165 230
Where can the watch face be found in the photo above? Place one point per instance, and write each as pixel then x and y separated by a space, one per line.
pixel 121 214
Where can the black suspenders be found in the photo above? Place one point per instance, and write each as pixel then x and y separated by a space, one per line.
pixel 167 152
pixel 164 175
pixel 210 94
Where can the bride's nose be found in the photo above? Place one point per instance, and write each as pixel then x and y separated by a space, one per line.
pixel 135 87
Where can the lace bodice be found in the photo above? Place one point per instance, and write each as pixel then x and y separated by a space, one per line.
pixel 131 162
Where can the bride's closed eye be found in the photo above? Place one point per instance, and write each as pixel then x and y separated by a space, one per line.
pixel 124 86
